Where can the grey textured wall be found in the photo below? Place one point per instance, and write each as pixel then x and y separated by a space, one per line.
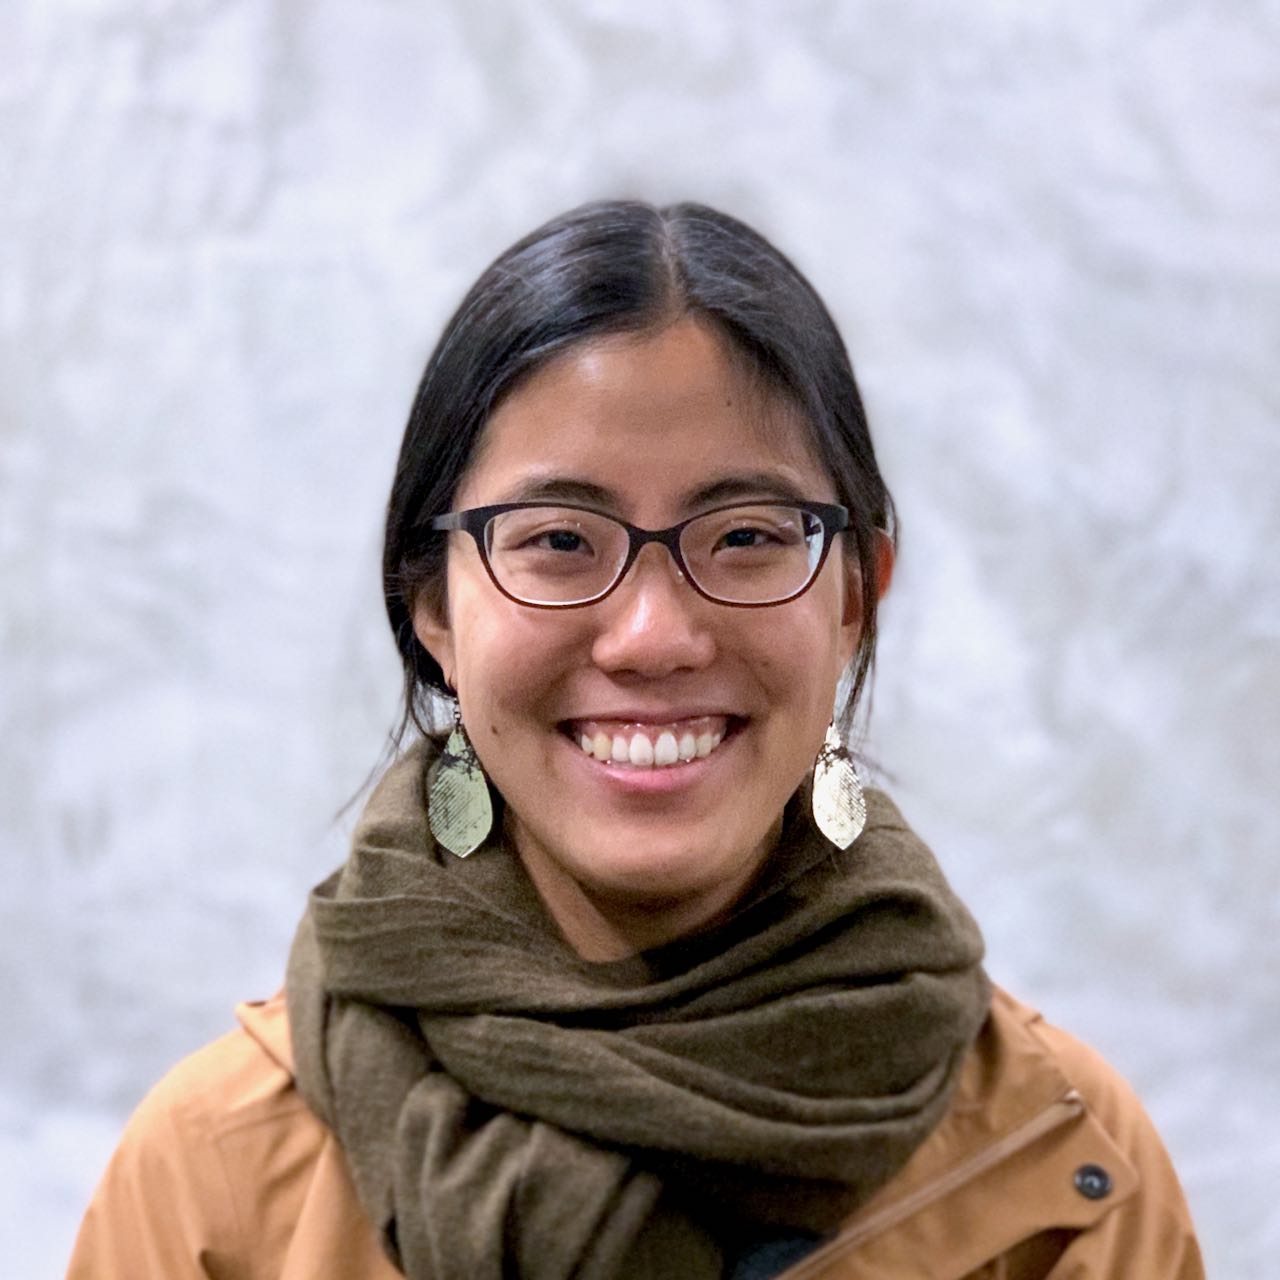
pixel 229 232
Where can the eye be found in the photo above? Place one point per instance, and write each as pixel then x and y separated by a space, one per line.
pixel 536 534
pixel 560 540
pixel 760 532
pixel 554 542
pixel 747 537
pixel 544 543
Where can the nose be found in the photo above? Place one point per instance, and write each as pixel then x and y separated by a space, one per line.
pixel 654 623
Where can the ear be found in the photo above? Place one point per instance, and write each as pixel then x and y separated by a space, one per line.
pixel 851 622
pixel 431 626
pixel 885 558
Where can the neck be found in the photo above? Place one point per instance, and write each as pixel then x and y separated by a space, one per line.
pixel 602 924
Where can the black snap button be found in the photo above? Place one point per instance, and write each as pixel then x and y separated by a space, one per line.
pixel 1093 1181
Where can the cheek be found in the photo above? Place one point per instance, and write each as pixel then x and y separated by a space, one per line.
pixel 798 657
pixel 833 646
pixel 510 658
pixel 822 636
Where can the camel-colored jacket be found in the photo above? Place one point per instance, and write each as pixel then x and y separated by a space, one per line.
pixel 1045 1167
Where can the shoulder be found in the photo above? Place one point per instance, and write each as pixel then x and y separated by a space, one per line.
pixel 230 1104
pixel 1044 1166
pixel 1106 1093
pixel 243 1078
pixel 215 1166
pixel 1145 1228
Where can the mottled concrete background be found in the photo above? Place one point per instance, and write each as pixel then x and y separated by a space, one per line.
pixel 229 233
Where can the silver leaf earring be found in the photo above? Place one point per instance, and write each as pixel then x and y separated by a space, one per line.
pixel 459 809
pixel 839 807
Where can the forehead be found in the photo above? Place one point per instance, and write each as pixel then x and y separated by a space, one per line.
pixel 651 420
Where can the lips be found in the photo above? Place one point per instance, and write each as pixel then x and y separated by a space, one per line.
pixel 649 745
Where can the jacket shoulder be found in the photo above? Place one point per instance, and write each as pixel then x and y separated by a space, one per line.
pixel 1106 1092
pixel 210 1173
pixel 1044 1167
pixel 234 1081
pixel 1152 1233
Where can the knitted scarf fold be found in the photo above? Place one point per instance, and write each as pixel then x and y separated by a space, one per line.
pixel 508 1108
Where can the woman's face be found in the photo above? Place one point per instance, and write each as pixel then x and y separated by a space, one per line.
pixel 651 429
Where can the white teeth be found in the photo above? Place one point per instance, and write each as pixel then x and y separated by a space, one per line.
pixel 639 747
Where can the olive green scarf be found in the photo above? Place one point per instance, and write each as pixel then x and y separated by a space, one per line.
pixel 509 1109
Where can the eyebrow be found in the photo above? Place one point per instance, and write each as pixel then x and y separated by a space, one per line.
pixel 746 485
pixel 750 484
pixel 562 489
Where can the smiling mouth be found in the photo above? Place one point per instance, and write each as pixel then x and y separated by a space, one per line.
pixel 650 746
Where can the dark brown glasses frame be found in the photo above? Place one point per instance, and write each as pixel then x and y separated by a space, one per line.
pixel 834 519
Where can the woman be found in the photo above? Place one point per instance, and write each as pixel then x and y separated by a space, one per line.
pixel 627 978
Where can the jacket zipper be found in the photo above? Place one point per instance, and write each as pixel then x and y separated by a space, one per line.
pixel 1067 1108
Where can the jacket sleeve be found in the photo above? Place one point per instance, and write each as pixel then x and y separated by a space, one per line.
pixel 163 1209
pixel 1150 1236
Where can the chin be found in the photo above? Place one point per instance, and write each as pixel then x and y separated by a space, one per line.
pixel 645 866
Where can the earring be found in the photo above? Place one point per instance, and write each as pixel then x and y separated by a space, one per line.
pixel 459 809
pixel 839 807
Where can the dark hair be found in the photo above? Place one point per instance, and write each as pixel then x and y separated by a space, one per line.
pixel 622 267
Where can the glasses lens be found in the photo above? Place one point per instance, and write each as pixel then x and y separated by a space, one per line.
pixel 555 555
pixel 753 554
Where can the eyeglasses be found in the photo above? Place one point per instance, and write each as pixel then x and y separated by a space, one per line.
pixel 749 555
